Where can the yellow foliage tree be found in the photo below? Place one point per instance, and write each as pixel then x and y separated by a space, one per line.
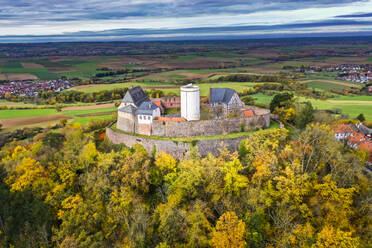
pixel 165 163
pixel 229 232
pixel 335 238
pixel 234 182
pixel 285 114
pixel 25 174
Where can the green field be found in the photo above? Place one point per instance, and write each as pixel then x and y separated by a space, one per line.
pixel 101 87
pixel 352 109
pixel 16 113
pixel 73 113
pixel 70 67
pixel 85 67
pixel 204 88
pixel 323 85
pixel 352 98
pixel 10 65
pixel 329 76
pixel 86 120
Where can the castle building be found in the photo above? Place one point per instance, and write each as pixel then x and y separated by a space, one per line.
pixel 134 96
pixel 190 102
pixel 226 98
pixel 146 113
pixel 127 111
pixel 138 114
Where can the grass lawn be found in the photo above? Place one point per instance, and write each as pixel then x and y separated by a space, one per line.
pixel 4 102
pixel 101 87
pixel 83 69
pixel 327 76
pixel 10 65
pixel 352 109
pixel 273 125
pixel 352 98
pixel 17 113
pixel 73 113
pixel 177 76
pixel 7 114
pixel 41 73
pixel 294 63
pixel 86 120
pixel 323 85
pixel 204 88
pixel 262 99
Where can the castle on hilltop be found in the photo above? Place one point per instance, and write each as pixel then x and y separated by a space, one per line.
pixel 221 113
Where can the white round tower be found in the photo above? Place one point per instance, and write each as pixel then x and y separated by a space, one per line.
pixel 190 102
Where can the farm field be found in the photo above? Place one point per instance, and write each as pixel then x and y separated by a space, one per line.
pixel 324 85
pixel 167 88
pixel 12 119
pixel 85 120
pixel 346 105
pixel 100 87
pixel 199 64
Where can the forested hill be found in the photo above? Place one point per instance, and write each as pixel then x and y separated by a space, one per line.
pixel 72 188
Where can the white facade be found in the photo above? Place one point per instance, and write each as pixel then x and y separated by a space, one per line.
pixel 235 102
pixel 342 136
pixel 190 102
pixel 147 119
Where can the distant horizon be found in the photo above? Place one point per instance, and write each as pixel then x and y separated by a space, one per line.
pixel 196 39
pixel 36 21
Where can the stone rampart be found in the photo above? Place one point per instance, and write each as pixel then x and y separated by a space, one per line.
pixel 209 127
pixel 177 149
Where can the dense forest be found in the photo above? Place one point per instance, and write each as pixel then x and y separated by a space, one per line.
pixel 73 188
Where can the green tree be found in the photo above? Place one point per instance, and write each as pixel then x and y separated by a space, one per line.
pixel 281 100
pixel 305 115
pixel 54 140
pixel 361 118
pixel 248 100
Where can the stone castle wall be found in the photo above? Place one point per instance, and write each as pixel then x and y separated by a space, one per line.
pixel 209 127
pixel 176 149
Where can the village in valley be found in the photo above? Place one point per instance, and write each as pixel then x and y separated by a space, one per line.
pixel 33 88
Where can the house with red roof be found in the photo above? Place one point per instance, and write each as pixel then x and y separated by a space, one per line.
pixel 343 131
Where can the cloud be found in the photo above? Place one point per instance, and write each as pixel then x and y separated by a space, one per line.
pixel 356 15
pixel 317 27
pixel 119 19
pixel 26 10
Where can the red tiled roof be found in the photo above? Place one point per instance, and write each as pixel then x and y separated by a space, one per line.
pixel 249 113
pixel 344 128
pixel 157 103
pixel 163 118
pixel 357 139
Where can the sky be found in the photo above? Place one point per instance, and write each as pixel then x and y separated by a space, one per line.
pixel 140 20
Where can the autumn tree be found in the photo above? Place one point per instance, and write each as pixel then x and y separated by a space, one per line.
pixel 281 100
pixel 229 232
